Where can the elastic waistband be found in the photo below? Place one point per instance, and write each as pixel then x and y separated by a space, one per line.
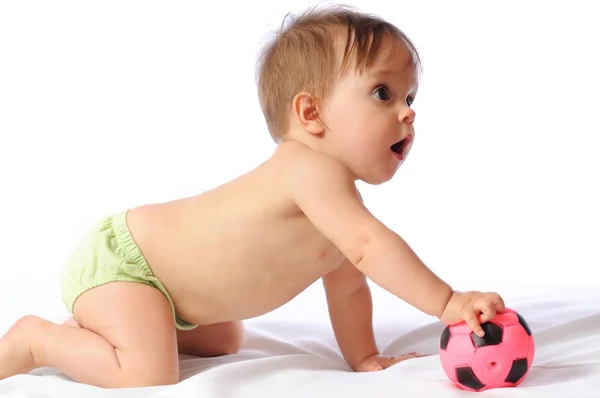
pixel 126 245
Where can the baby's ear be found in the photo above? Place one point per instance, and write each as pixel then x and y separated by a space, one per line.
pixel 306 112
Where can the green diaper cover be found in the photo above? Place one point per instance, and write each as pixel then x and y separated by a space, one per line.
pixel 106 254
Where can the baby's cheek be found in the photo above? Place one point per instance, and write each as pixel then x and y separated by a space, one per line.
pixel 349 126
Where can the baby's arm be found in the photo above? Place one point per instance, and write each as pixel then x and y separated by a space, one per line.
pixel 326 193
pixel 350 310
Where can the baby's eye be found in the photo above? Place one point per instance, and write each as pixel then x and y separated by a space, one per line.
pixel 409 101
pixel 382 93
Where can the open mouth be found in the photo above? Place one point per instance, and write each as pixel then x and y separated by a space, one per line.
pixel 400 148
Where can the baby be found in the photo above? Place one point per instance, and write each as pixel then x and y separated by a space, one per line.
pixel 336 88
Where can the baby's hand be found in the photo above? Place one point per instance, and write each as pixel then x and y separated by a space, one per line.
pixel 472 307
pixel 380 362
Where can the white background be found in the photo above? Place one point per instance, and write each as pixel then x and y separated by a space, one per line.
pixel 107 105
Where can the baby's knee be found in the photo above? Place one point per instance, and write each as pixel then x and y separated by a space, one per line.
pixel 228 348
pixel 140 371
pixel 233 341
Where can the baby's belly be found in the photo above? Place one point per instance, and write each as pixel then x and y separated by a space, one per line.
pixel 256 302
pixel 244 296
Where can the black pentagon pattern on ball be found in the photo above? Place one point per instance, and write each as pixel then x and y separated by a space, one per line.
pixel 524 324
pixel 517 370
pixel 467 378
pixel 445 338
pixel 492 336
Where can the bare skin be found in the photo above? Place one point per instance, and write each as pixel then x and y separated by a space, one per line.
pixel 251 245
pixel 270 251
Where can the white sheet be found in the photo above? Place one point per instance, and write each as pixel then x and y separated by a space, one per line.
pixel 282 356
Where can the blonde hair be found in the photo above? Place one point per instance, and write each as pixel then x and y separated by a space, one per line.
pixel 304 55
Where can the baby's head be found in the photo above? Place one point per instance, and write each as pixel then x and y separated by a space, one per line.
pixel 342 83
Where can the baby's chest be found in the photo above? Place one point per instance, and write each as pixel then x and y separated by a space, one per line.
pixel 301 261
pixel 285 254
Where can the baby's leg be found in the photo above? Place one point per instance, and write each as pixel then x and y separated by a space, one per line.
pixel 126 338
pixel 211 340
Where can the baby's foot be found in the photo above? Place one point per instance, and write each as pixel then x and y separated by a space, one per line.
pixel 15 348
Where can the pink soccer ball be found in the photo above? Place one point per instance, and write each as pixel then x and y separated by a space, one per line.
pixel 501 358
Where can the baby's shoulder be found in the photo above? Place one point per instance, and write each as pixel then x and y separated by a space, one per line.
pixel 306 174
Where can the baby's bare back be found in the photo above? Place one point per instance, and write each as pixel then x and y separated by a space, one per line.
pixel 237 251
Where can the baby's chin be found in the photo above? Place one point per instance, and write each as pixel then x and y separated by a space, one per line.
pixel 380 177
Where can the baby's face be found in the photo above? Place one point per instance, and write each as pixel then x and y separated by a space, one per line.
pixel 369 115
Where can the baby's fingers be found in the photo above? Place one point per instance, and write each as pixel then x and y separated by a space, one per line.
pixel 497 302
pixel 404 357
pixel 487 314
pixel 473 323
pixel 488 309
pixel 369 366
